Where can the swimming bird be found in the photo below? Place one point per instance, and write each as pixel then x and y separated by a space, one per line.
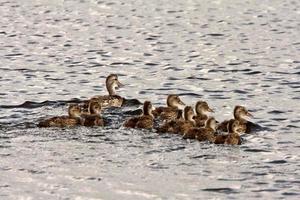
pixel 233 138
pixel 72 119
pixel 202 109
pixel 112 99
pixel 239 113
pixel 179 126
pixel 144 121
pixel 170 112
pixel 93 116
pixel 203 133
pixel 169 126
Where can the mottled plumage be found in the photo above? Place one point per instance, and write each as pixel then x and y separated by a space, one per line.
pixel 169 126
pixel 239 113
pixel 180 126
pixel 204 133
pixel 112 99
pixel 171 111
pixel 64 121
pixel 93 117
pixel 145 121
pixel 233 137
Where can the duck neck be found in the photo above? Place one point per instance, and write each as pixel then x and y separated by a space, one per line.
pixel 147 112
pixel 188 117
pixel 210 128
pixel 201 114
pixel 239 117
pixel 111 89
pixel 171 104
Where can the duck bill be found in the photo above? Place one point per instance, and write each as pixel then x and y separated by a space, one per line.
pixel 248 114
pixel 210 110
pixel 181 103
pixel 119 84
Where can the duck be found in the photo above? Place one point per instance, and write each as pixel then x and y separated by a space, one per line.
pixel 239 113
pixel 170 112
pixel 71 120
pixel 93 116
pixel 203 133
pixel 169 126
pixel 188 123
pixel 145 121
pixel 233 135
pixel 234 128
pixel 201 109
pixel 112 99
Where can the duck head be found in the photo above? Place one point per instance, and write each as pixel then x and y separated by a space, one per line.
pixel 174 101
pixel 189 114
pixel 240 112
pixel 202 108
pixel 95 107
pixel 112 83
pixel 148 108
pixel 74 111
pixel 211 122
pixel 233 126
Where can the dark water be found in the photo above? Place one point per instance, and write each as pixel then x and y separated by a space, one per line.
pixel 225 52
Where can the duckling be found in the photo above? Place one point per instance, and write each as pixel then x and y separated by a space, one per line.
pixel 111 100
pixel 93 117
pixel 183 126
pixel 204 133
pixel 171 111
pixel 201 109
pixel 145 121
pixel 239 113
pixel 169 126
pixel 234 127
pixel 64 121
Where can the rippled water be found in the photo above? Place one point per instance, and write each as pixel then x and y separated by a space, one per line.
pixel 226 52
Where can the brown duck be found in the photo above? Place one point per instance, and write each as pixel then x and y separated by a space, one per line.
pixel 239 113
pixel 206 133
pixel 145 121
pixel 72 119
pixel 170 112
pixel 182 126
pixel 112 99
pixel 93 116
pixel 169 126
pixel 202 109
pixel 233 138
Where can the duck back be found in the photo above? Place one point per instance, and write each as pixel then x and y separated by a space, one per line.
pixel 220 139
pixel 62 121
pixel 92 120
pixel 233 139
pixel 145 122
pixel 131 123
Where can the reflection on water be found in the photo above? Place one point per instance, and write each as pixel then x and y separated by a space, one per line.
pixel 225 52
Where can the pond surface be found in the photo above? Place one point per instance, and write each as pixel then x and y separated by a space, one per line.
pixel 225 52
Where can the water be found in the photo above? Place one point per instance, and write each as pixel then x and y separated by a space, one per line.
pixel 225 52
